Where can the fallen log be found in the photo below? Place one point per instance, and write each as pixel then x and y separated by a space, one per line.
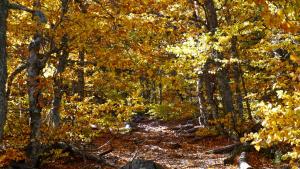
pixel 75 151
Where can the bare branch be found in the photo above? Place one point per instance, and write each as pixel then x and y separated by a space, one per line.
pixel 19 7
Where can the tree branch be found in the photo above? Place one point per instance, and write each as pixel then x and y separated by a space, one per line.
pixel 20 7
pixel 11 77
pixel 39 14
pixel 196 13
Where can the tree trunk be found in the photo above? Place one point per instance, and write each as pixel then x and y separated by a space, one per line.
pixel 201 101
pixel 209 87
pixel 3 65
pixel 60 68
pixel 237 77
pixel 80 76
pixel 58 83
pixel 245 94
pixel 206 80
pixel 160 93
pixel 34 93
pixel 222 73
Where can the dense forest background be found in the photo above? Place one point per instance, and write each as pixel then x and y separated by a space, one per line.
pixel 71 70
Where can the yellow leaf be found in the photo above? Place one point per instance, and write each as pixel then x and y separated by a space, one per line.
pixel 257 147
pixel 295 58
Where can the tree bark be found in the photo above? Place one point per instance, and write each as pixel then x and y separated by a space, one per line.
pixel 58 83
pixel 34 93
pixel 80 76
pixel 222 73
pixel 4 8
pixel 245 94
pixel 201 101
pixel 209 87
pixel 60 68
pixel 3 65
pixel 35 66
pixel 237 77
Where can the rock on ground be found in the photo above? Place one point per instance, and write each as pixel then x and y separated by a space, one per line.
pixel 141 164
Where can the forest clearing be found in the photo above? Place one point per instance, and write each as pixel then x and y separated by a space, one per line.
pixel 149 84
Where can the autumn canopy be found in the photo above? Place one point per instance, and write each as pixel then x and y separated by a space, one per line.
pixel 71 70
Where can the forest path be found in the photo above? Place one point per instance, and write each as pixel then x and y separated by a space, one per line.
pixel 158 141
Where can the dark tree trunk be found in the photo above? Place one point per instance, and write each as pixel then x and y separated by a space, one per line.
pixel 245 94
pixel 56 102
pixel 222 73
pixel 237 77
pixel 60 68
pixel 160 93
pixel 146 92
pixel 211 15
pixel 80 76
pixel 209 81
pixel 58 83
pixel 153 93
pixel 225 90
pixel 205 81
pixel 3 65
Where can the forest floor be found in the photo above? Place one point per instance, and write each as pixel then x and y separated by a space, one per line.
pixel 157 141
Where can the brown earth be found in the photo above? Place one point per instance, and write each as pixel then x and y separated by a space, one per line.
pixel 154 140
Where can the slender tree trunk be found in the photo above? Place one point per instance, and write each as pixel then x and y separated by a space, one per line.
pixel 245 94
pixel 237 77
pixel 60 68
pixel 160 93
pixel 58 83
pixel 209 82
pixel 3 65
pixel 208 87
pixel 146 92
pixel 35 67
pixel 80 75
pixel 81 83
pixel 34 93
pixel 201 101
pixel 56 102
pixel 205 82
pixel 225 90
pixel 222 74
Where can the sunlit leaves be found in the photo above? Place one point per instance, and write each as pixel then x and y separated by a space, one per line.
pixel 280 124
pixel 147 55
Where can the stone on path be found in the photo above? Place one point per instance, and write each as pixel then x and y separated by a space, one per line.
pixel 141 164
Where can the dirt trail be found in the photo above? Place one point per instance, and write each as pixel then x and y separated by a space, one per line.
pixel 154 140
